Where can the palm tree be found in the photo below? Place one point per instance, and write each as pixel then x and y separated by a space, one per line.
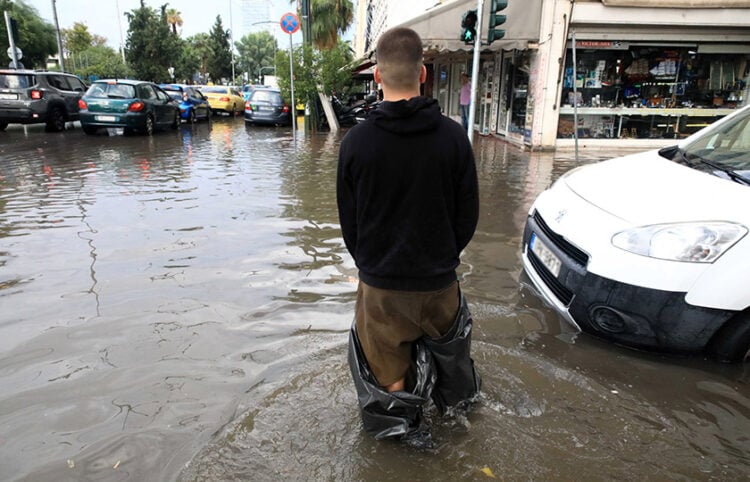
pixel 174 19
pixel 328 19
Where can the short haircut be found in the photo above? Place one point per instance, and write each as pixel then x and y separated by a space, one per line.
pixel 399 58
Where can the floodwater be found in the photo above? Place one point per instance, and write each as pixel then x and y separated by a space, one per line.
pixel 177 308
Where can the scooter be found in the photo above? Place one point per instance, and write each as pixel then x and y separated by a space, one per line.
pixel 347 116
pixel 371 103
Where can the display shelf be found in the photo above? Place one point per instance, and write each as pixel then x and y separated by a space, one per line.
pixel 646 111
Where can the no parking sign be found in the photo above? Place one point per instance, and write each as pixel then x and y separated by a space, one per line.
pixel 289 23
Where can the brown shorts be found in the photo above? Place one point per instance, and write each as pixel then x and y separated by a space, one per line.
pixel 388 321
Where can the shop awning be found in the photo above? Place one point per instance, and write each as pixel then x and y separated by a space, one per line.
pixel 440 28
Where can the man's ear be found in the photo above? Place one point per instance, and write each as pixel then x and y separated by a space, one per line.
pixel 423 75
pixel 376 75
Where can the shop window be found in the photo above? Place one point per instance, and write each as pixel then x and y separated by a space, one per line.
pixel 637 91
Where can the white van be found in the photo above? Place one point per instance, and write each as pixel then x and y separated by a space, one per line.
pixel 652 250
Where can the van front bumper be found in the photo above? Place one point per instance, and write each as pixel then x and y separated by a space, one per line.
pixel 626 314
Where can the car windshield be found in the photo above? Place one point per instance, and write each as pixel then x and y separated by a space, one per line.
pixel 214 90
pixel 726 148
pixel 16 81
pixel 267 96
pixel 111 91
pixel 174 94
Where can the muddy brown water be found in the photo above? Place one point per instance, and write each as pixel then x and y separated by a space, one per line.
pixel 177 307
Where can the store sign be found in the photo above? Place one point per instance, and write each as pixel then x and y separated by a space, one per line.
pixel 602 44
pixel 678 3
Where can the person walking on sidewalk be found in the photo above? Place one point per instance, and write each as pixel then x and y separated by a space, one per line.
pixel 464 100
pixel 408 203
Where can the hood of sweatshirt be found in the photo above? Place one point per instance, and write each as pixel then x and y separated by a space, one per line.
pixel 418 114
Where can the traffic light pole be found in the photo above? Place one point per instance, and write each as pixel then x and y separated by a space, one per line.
pixel 475 71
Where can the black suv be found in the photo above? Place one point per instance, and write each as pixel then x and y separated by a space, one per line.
pixel 33 97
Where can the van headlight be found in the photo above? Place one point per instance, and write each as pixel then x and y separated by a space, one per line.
pixel 690 242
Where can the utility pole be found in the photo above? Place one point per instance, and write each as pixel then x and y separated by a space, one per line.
pixel 59 37
pixel 475 71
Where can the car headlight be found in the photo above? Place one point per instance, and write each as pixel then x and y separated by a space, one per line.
pixel 690 242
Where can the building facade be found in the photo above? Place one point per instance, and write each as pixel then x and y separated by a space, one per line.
pixel 611 72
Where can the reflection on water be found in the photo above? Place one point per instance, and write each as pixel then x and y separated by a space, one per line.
pixel 177 307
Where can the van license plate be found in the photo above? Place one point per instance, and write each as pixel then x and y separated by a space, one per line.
pixel 106 118
pixel 547 257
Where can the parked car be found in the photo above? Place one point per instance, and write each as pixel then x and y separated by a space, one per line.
pixel 651 250
pixel 133 105
pixel 266 106
pixel 223 98
pixel 192 104
pixel 35 97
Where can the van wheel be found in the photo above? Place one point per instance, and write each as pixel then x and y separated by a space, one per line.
pixel 55 120
pixel 732 342
pixel 3 125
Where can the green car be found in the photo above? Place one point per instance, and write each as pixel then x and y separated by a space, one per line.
pixel 133 105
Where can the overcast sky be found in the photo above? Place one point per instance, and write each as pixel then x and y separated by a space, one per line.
pixel 101 16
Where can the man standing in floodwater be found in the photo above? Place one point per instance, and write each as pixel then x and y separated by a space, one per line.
pixel 408 205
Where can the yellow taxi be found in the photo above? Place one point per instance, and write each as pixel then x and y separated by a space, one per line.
pixel 224 98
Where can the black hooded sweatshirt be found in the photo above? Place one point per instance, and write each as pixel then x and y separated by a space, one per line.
pixel 407 195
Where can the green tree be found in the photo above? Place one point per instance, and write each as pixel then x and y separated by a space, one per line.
pixel 195 56
pixel 256 50
pixel 98 61
pixel 151 47
pixel 77 38
pixel 329 18
pixel 312 67
pixel 220 63
pixel 37 39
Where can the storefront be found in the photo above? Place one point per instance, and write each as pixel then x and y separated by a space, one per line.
pixel 646 90
pixel 643 74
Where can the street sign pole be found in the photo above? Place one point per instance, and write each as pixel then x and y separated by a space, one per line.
pixel 290 24
pixel 291 83
pixel 12 52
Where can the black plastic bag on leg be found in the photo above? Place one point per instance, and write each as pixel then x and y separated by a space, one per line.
pixel 458 382
pixel 391 415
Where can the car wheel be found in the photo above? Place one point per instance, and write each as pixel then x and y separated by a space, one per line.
pixel 208 114
pixel 55 120
pixel 3 125
pixel 90 130
pixel 235 112
pixel 191 118
pixel 732 342
pixel 176 121
pixel 148 129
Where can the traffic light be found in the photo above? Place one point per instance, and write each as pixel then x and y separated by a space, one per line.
pixel 495 20
pixel 469 27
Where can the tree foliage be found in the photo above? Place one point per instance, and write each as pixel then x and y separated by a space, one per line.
pixel 98 62
pixel 151 47
pixel 315 67
pixel 256 50
pixel 37 39
pixel 78 38
pixel 220 63
pixel 330 18
pixel 174 19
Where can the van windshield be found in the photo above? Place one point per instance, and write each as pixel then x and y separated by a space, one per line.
pixel 728 145
pixel 16 81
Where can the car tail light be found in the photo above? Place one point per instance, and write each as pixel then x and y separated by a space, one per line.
pixel 136 106
pixel 82 104
pixel 224 99
pixel 285 109
pixel 248 106
pixel 36 94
